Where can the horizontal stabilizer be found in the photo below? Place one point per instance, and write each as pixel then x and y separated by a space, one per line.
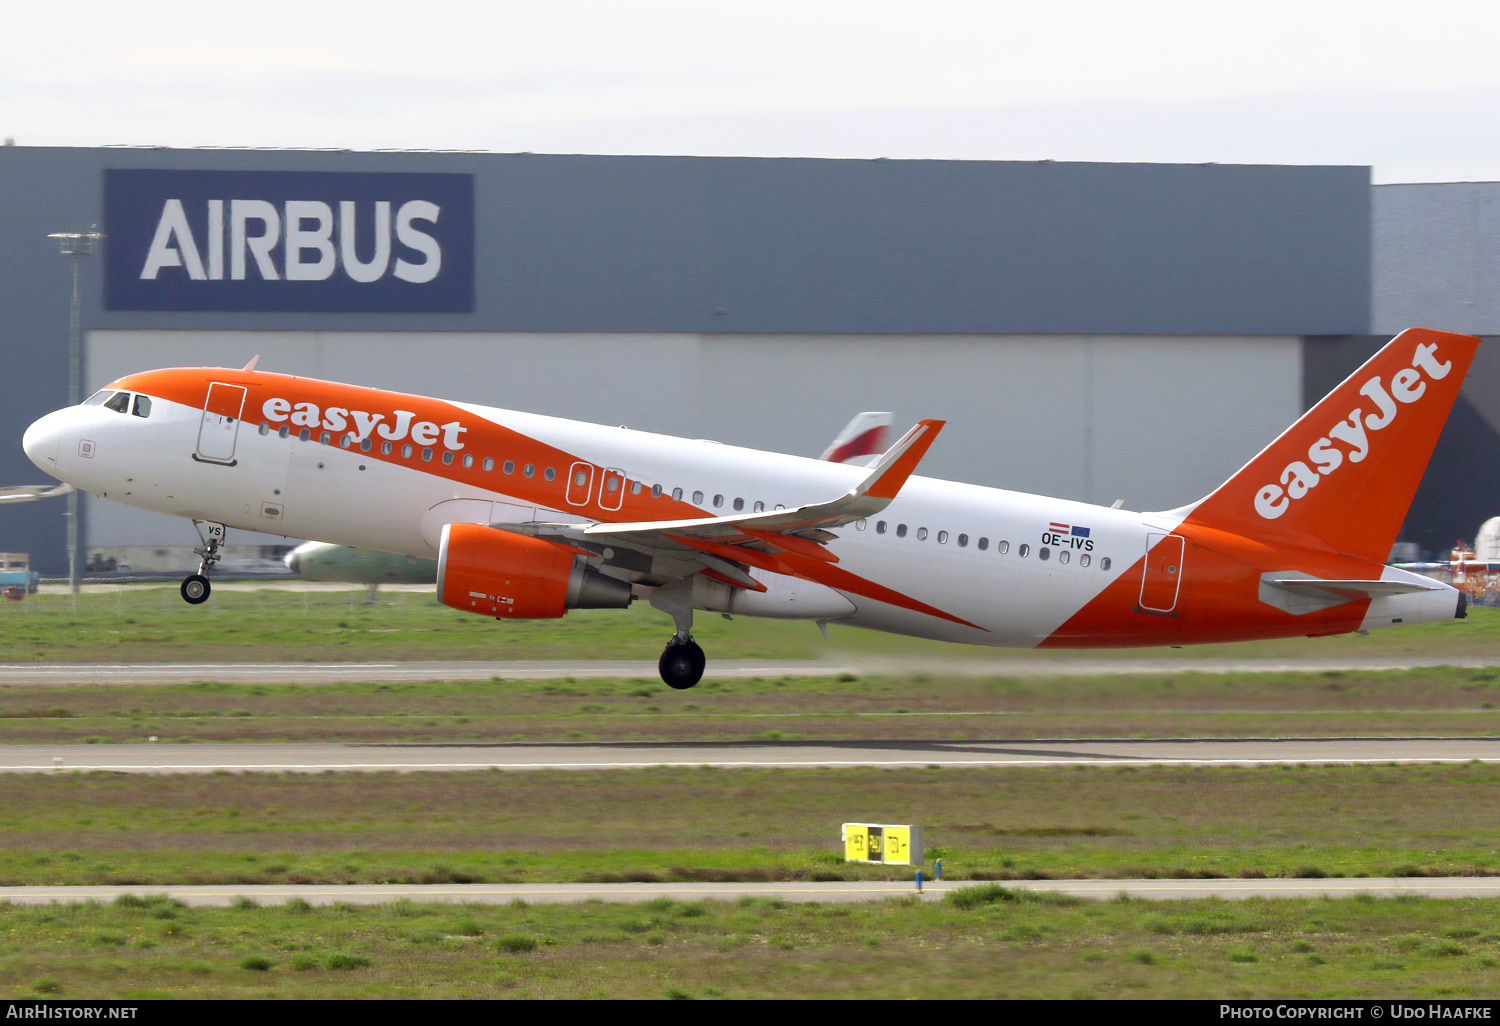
pixel 1299 593
pixel 1359 589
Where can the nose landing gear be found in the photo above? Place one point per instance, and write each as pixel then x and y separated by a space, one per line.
pixel 195 587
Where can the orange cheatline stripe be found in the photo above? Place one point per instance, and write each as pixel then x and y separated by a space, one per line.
pixel 842 580
pixel 818 571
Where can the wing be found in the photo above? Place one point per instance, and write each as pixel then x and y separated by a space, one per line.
pixel 777 540
pixel 783 541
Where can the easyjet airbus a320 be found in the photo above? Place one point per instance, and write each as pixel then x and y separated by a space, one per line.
pixel 531 516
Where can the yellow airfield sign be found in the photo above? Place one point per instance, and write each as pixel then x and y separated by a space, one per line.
pixel 892 845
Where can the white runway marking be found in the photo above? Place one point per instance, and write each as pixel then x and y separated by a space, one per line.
pixel 726 669
pixel 864 890
pixel 469 757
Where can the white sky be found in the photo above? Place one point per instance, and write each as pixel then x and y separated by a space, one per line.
pixel 1410 88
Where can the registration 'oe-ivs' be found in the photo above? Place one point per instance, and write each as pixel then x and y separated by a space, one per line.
pixel 531 516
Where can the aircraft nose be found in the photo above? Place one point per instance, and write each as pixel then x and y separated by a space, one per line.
pixel 41 441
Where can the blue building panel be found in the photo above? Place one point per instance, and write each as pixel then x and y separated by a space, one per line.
pixel 306 241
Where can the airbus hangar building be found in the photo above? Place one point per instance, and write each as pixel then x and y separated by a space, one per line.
pixel 1089 331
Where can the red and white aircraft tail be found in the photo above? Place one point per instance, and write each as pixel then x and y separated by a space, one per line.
pixel 863 438
pixel 531 516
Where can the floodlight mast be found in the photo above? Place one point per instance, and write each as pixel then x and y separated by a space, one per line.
pixel 75 245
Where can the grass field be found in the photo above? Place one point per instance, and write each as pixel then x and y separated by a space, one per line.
pixel 982 943
pixel 708 824
pixel 1426 702
pixel 986 824
pixel 152 624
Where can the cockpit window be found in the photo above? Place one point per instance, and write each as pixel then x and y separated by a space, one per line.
pixel 119 402
pixel 97 399
pixel 142 406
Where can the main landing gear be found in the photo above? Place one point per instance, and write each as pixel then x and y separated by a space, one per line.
pixel 682 661
pixel 195 587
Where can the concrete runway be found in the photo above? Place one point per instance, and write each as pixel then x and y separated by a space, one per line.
pixel 146 674
pixel 465 756
pixel 138 674
pixel 866 890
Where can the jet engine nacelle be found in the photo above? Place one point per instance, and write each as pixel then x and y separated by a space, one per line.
pixel 513 576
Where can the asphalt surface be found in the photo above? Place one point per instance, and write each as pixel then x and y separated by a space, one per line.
pixel 548 894
pixel 468 756
pixel 137 674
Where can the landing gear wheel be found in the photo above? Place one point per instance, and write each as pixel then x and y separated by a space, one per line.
pixel 195 589
pixel 682 664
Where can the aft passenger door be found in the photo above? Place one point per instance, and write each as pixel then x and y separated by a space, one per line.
pixel 1162 579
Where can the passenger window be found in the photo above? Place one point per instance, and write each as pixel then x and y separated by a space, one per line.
pixel 549 474
pixel 656 491
pixel 468 460
pixel 880 527
pixel 635 488
pixel 612 484
pixel 921 534
pixel 304 434
pixel 529 470
pixel 489 463
pixel 697 498
pixel 142 406
pixel 119 402
pixel 739 504
pixel 1104 563
pixel 286 430
pixel 406 452
pixel 1042 553
pixel 1083 560
pixel 385 448
pixel 1004 547
pixel 325 438
pixel 677 494
pixel 900 530
pixel 1024 551
pixel 1062 556
pixel 718 501
pixel 942 537
pixel 265 427
pixel 984 543
pixel 427 454
pixel 346 441
pixel 367 444
pixel 760 507
pixel 447 455
pixel 859 525
pixel 509 468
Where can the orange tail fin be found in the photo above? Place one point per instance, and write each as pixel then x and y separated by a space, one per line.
pixel 1343 476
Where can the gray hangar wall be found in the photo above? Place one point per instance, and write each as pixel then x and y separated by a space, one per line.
pixel 1436 264
pixel 1092 331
